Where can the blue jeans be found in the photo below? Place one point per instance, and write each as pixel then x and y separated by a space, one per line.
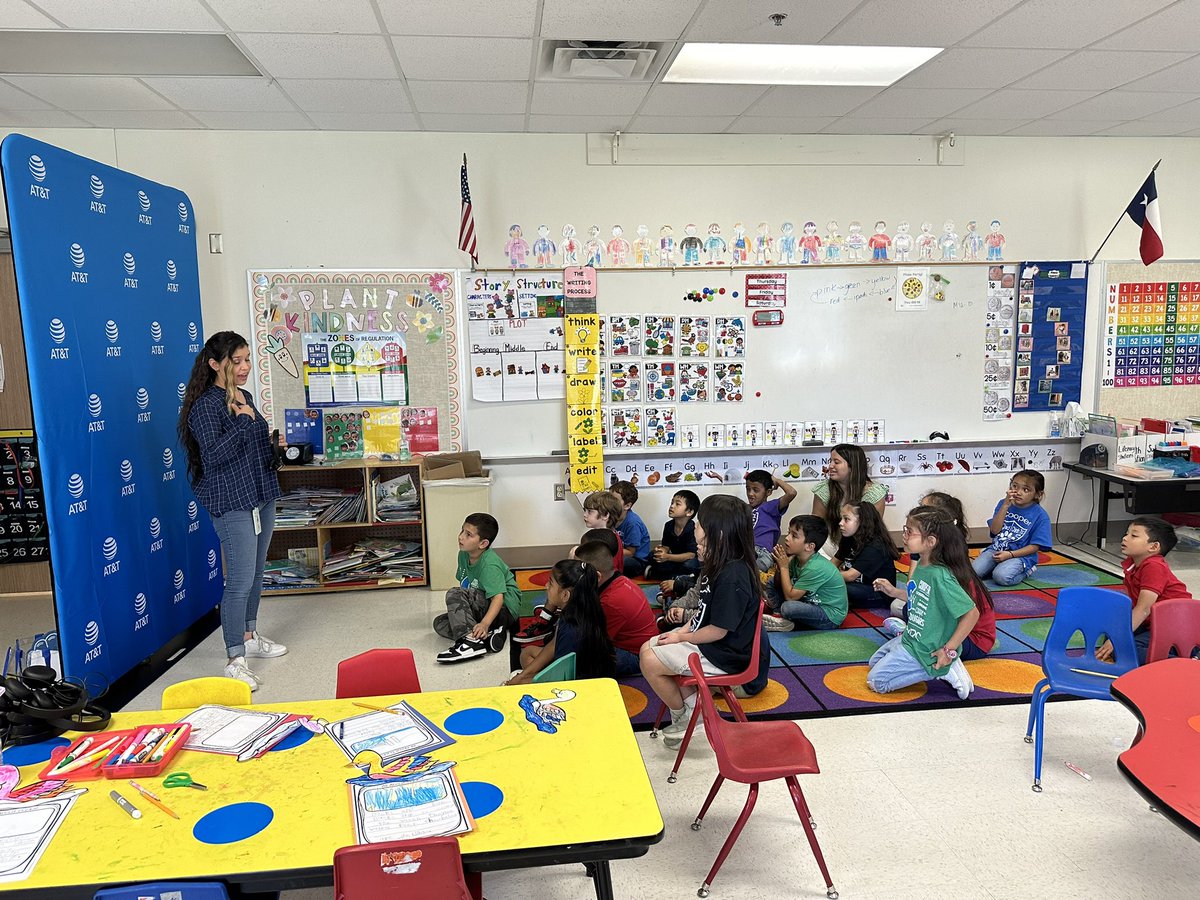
pixel 806 615
pixel 627 663
pixel 634 567
pixel 1007 573
pixel 892 667
pixel 245 555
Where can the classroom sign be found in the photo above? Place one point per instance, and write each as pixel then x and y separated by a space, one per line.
pixel 585 415
pixel 110 305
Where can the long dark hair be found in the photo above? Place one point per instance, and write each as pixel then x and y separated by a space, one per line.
pixel 871 529
pixel 950 505
pixel 859 478
pixel 728 534
pixel 949 550
pixel 596 657
pixel 219 348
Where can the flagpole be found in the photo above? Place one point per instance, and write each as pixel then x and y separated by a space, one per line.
pixel 1118 222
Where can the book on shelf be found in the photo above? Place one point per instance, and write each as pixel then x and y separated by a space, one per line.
pixel 305 507
pixel 374 560
pixel 282 574
pixel 396 499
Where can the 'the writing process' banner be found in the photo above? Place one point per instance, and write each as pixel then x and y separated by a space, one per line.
pixel 110 307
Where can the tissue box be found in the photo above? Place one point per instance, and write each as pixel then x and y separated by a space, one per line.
pixel 468 464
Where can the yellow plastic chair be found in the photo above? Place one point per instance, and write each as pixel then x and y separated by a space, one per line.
pixel 199 691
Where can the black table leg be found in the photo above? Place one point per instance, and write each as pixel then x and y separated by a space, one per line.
pixel 602 878
pixel 1102 515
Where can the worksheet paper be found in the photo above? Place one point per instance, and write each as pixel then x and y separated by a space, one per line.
pixel 26 830
pixel 408 808
pixel 223 729
pixel 406 733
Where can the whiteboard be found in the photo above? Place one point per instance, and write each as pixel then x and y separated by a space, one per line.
pixel 843 352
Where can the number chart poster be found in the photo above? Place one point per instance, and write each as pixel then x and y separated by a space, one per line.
pixel 1152 334
pixel 395 330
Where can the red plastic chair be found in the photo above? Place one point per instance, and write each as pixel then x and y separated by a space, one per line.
pixel 377 672
pixel 751 753
pixel 430 868
pixel 723 683
pixel 1174 625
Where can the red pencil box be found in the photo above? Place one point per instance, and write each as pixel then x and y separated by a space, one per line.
pixel 107 764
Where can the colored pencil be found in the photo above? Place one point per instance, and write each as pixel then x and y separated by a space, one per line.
pixel 394 712
pixel 1097 674
pixel 153 799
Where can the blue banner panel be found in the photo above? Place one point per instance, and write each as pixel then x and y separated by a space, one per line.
pixel 1051 310
pixel 110 307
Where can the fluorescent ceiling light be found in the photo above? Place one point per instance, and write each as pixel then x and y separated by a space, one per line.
pixel 120 53
pixel 795 64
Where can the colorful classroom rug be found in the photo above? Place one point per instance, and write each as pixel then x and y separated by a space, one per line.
pixel 823 673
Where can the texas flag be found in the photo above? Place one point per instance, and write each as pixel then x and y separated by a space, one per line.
pixel 1144 211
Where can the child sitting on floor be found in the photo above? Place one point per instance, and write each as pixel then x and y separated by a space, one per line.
pixel 634 535
pixel 603 509
pixel 676 555
pixel 1148 577
pixel 766 514
pixel 542 624
pixel 806 590
pixel 866 553
pixel 1019 528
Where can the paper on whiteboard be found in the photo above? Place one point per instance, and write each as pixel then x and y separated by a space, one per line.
pixel 408 733
pixel 26 830
pixel 224 729
pixel 408 808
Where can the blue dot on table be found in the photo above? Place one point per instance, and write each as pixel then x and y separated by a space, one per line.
pixel 1064 575
pixel 296 739
pixel 32 754
pixel 483 798
pixel 233 823
pixel 477 720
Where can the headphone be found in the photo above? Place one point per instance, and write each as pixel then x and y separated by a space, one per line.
pixel 36 705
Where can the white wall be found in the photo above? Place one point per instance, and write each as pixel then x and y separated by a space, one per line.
pixel 303 199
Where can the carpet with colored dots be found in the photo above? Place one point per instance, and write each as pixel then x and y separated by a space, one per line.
pixel 823 673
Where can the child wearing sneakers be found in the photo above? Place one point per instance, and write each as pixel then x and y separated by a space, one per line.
pixel 542 624
pixel 1019 528
pixel 676 555
pixel 634 535
pixel 484 606
pixel 941 614
pixel 767 514
pixel 1148 578
pixel 806 590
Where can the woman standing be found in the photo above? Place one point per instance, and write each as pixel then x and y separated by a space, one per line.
pixel 231 467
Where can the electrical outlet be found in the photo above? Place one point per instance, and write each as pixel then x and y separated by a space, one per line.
pixel 560 492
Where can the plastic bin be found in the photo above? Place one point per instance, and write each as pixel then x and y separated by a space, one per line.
pixel 447 502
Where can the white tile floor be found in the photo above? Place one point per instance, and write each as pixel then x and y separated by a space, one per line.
pixel 909 804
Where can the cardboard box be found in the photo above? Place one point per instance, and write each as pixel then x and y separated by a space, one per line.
pixel 468 464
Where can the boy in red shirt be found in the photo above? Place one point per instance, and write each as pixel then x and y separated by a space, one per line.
pixel 1148 578
pixel 627 614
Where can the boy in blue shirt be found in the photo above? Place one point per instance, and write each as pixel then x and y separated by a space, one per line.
pixel 635 537
pixel 1019 528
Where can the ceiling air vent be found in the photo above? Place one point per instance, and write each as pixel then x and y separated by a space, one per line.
pixel 602 60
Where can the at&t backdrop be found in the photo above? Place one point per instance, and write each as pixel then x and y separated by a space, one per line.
pixel 110 308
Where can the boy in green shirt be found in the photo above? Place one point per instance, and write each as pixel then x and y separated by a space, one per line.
pixel 484 606
pixel 805 590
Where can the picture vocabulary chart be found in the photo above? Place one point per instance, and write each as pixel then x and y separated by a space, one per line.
pixel 1152 334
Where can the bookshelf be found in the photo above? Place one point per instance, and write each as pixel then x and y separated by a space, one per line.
pixel 382 546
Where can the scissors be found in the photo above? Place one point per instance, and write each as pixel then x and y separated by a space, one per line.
pixel 182 780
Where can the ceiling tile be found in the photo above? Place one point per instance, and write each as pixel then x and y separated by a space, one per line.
pixel 1098 70
pixel 701 99
pixel 875 126
pixel 556 98
pixel 779 125
pixel 1060 128
pixel 932 103
pixel 321 56
pixel 1068 24
pixel 19 14
pixel 463 59
pixel 1180 78
pixel 680 124
pixel 1174 28
pixel 313 16
pixel 495 97
pixel 915 23
pixel 1119 106
pixel 1188 114
pixel 979 127
pixel 347 95
pixel 478 124
pixel 749 23
pixel 577 124
pixel 39 118
pixel 979 68
pixel 11 98
pixel 1143 128
pixel 154 119
pixel 79 92
pixel 616 20
pixel 512 18
pixel 1013 103
pixel 221 93
pixel 132 15
pixel 799 101
pixel 337 121
pixel 252 121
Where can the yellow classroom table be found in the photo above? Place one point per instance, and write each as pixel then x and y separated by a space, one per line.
pixel 579 795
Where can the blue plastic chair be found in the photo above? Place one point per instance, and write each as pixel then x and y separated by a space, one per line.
pixel 185 890
pixel 562 669
pixel 1095 612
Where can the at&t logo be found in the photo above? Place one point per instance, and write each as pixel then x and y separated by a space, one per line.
pixel 130 265
pixel 37 169
pixel 76 487
pixel 95 409
pixel 109 550
pixel 128 488
pixel 58 334
pixel 113 334
pixel 180 590
pixel 193 512
pixel 78 258
pixel 168 459
pixel 213 569
pixel 172 274
pixel 184 228
pixel 143 403
pixel 91 636
pixel 193 338
pixel 139 609
pixel 97 187
pixel 155 535
pixel 156 348
pixel 144 203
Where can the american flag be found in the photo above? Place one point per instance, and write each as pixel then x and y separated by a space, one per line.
pixel 466 225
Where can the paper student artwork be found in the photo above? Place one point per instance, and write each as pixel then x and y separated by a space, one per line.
pixel 402 732
pixel 625 381
pixel 727 382
pixel 660 380
pixel 625 335
pixel 229 731
pixel 714 436
pixel 408 807
pixel 730 336
pixel 856 430
pixel 773 434
pixel 659 424
pixel 793 434
pixel 625 427
pixel 347 369
pixel 735 435
pixel 753 434
pixel 694 335
pixel 659 336
pixel 26 830
pixel 833 432
pixel 689 437
pixel 693 382
pixel 546 714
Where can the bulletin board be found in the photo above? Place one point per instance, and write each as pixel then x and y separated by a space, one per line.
pixel 845 352
pixel 340 342
pixel 1150 339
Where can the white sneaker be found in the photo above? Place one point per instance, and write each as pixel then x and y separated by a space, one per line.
pixel 237 669
pixel 960 679
pixel 678 724
pixel 777 623
pixel 893 626
pixel 672 738
pixel 264 648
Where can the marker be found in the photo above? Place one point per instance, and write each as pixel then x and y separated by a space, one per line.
pixel 78 761
pixel 165 745
pixel 1078 771
pixel 134 812
pixel 135 747
pixel 153 799
pixel 71 757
